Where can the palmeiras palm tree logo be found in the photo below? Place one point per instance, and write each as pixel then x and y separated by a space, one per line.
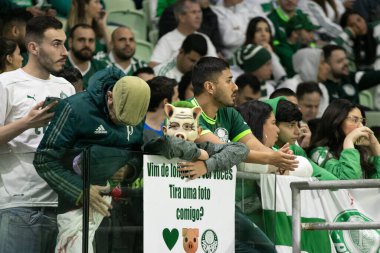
pixel 355 241
pixel 209 241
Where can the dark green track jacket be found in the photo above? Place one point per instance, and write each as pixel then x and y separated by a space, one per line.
pixel 82 121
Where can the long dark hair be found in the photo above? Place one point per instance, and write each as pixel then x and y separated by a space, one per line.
pixel 251 30
pixel 366 43
pixel 7 47
pixel 330 134
pixel 255 113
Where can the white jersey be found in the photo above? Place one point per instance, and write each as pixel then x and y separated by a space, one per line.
pixel 20 185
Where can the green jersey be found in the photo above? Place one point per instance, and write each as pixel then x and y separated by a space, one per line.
pixel 228 124
pixel 94 66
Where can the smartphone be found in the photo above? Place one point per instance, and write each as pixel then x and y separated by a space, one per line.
pixel 48 101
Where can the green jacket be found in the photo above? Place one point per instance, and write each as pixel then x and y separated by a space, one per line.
pixel 81 121
pixel 347 166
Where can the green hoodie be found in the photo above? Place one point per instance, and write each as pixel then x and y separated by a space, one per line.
pixel 81 121
pixel 318 172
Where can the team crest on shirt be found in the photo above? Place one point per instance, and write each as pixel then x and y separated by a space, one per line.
pixel 222 133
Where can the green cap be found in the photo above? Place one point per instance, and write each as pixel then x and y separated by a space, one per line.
pixel 298 22
pixel 251 57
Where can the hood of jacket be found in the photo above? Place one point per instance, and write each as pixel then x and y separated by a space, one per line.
pixel 306 63
pixel 101 82
pixel 273 102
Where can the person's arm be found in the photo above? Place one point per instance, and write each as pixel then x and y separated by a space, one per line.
pixel 225 156
pixel 172 147
pixel 345 168
pixel 37 117
pixel 57 141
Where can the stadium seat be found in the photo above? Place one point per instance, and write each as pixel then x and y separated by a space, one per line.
pixel 373 118
pixel 131 18
pixel 119 5
pixel 144 50
pixel 366 99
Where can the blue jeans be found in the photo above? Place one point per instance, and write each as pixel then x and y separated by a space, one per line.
pixel 248 237
pixel 28 230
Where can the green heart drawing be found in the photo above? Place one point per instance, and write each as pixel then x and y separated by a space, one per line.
pixel 170 237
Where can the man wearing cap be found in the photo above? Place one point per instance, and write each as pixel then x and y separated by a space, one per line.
pixel 299 34
pixel 257 60
pixel 107 114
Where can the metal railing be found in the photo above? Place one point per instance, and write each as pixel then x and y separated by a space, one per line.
pixel 297 226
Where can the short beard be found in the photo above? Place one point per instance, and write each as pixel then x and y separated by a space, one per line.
pixel 81 56
pixel 123 56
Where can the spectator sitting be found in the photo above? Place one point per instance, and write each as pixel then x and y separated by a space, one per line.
pixel 10 57
pixel 281 15
pixel 299 34
pixel 310 65
pixel 74 76
pixel 90 12
pixel 233 18
pixel 145 73
pixel 341 83
pixel 192 49
pixel 258 61
pixel 123 48
pixel 209 25
pixel 261 119
pixel 82 49
pixel 189 17
pixel 343 145
pixel 309 97
pixel 163 90
pixel 361 41
pixel 259 32
pixel 249 88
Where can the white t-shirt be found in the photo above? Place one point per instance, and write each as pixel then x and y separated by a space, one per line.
pixel 168 46
pixel 20 185
pixel 169 69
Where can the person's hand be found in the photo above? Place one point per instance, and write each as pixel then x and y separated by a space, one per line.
pixel 203 156
pixel 374 145
pixel 305 135
pixel 102 20
pixel 51 12
pixel 38 116
pixel 120 175
pixel 97 202
pixel 35 11
pixel 267 46
pixel 283 161
pixel 357 135
pixel 286 149
pixel 192 170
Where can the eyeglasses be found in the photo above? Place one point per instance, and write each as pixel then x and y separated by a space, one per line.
pixel 357 120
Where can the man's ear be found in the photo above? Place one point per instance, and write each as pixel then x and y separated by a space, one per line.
pixel 33 48
pixel 9 59
pixel 169 109
pixel 209 87
pixel 164 130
